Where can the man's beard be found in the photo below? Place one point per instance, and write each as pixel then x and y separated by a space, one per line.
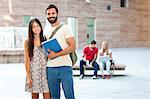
pixel 52 21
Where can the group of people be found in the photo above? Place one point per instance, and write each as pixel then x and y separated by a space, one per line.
pixel 45 73
pixel 96 59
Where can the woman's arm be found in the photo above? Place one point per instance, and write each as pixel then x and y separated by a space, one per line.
pixel 110 54
pixel 27 63
pixel 101 52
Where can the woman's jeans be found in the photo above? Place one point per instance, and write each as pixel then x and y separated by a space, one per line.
pixel 57 75
pixel 105 62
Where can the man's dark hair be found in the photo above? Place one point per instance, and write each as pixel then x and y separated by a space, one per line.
pixel 93 42
pixel 51 6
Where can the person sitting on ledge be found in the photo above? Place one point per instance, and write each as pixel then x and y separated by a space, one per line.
pixel 89 56
pixel 104 59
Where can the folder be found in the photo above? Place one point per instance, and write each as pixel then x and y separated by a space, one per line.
pixel 51 44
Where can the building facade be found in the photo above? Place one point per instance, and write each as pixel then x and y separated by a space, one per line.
pixel 123 23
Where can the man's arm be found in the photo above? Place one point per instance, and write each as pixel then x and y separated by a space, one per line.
pixel 71 48
pixel 95 56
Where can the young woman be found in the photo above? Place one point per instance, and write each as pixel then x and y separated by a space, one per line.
pixel 35 62
pixel 105 55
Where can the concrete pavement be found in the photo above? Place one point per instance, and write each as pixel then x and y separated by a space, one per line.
pixel 133 84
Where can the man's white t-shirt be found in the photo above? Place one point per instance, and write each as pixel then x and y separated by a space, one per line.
pixel 61 35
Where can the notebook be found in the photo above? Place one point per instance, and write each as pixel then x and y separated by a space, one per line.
pixel 51 44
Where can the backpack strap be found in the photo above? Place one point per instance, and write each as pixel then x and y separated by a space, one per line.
pixel 54 32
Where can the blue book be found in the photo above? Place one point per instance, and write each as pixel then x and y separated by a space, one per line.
pixel 52 45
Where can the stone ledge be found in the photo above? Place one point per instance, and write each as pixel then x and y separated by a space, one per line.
pixel 12 56
pixel 117 66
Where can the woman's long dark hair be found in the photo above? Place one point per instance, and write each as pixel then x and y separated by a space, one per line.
pixel 31 36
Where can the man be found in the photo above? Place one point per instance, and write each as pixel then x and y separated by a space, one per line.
pixel 59 68
pixel 90 54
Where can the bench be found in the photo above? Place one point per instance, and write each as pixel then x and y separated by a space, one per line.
pixel 114 67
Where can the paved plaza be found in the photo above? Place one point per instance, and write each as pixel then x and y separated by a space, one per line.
pixel 134 83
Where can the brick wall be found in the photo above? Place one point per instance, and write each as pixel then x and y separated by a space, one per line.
pixel 122 27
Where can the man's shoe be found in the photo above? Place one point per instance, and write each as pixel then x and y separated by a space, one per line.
pixel 81 76
pixel 94 77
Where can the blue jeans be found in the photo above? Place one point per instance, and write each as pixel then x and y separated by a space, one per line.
pixel 105 62
pixel 95 65
pixel 57 75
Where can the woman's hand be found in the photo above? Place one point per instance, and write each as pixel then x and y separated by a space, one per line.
pixel 29 81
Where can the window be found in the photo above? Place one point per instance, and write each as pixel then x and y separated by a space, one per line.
pixel 26 20
pixel 124 3
pixel 108 7
pixel 90 30
pixel 12 37
pixel 73 22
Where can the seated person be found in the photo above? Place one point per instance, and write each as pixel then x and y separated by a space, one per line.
pixel 90 54
pixel 104 59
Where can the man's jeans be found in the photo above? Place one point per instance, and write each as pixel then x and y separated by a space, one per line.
pixel 95 65
pixel 57 75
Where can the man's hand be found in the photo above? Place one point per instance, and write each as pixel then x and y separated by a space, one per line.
pixel 52 54
pixel 90 65
pixel 84 59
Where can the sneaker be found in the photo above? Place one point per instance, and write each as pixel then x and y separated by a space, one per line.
pixel 108 76
pixel 94 77
pixel 81 76
pixel 103 77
